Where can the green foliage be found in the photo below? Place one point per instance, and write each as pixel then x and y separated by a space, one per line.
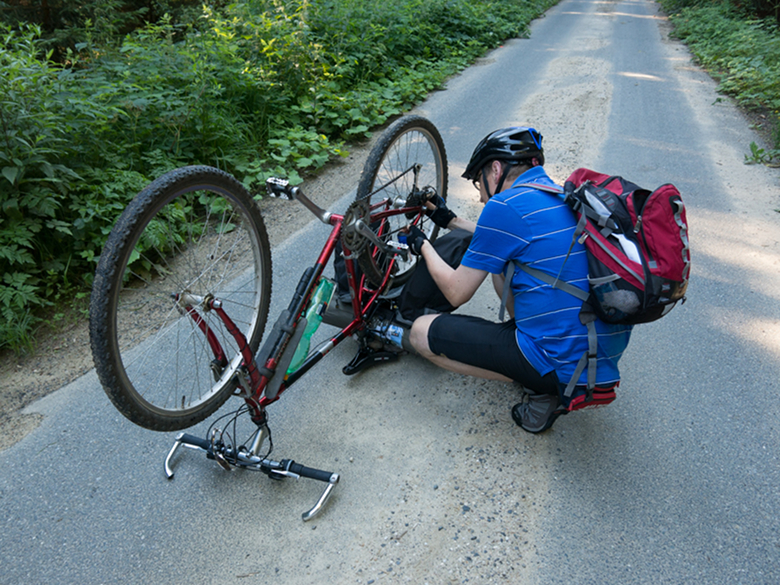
pixel 760 155
pixel 32 181
pixel 116 92
pixel 743 53
pixel 746 8
pixel 68 24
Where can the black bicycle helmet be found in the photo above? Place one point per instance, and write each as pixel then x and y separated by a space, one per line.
pixel 515 145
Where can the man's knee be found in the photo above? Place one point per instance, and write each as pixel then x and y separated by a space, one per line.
pixel 418 336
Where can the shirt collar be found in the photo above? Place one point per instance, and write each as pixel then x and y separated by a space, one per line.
pixel 533 175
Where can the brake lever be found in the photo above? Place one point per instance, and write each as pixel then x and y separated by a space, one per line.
pixel 317 508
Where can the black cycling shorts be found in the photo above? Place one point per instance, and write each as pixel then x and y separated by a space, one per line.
pixel 487 345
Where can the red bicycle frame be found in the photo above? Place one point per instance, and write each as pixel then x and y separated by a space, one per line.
pixel 256 379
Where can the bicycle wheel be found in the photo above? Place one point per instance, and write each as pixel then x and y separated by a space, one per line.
pixel 193 234
pixel 390 175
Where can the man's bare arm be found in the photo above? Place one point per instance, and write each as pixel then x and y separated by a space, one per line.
pixel 463 224
pixel 458 285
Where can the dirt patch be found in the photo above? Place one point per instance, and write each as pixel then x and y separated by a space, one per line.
pixel 63 354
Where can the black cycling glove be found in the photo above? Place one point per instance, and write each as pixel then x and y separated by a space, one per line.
pixel 415 239
pixel 442 215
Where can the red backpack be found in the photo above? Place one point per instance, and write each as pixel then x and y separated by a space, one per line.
pixel 639 260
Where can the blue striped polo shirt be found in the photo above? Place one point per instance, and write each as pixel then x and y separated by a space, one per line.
pixel 536 228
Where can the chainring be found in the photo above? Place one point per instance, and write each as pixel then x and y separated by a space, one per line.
pixel 350 238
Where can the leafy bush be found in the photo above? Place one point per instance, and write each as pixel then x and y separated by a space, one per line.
pixel 744 54
pixel 35 183
pixel 747 8
pixel 67 23
pixel 257 88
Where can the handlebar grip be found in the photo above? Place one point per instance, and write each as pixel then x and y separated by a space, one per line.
pixel 311 473
pixel 196 441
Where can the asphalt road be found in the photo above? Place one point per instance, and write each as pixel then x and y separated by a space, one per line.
pixel 675 482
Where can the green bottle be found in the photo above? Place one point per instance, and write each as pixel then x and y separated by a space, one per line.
pixel 317 305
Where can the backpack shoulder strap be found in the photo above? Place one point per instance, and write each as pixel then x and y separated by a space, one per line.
pixel 589 358
pixel 541 187
pixel 554 282
pixel 587 317
pixel 543 276
pixel 510 271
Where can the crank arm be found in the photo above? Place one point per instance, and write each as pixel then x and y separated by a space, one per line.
pixel 367 232
pixel 281 188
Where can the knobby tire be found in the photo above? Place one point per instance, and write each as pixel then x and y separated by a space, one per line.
pixel 195 230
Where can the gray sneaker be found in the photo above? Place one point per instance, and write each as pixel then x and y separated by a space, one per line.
pixel 537 413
